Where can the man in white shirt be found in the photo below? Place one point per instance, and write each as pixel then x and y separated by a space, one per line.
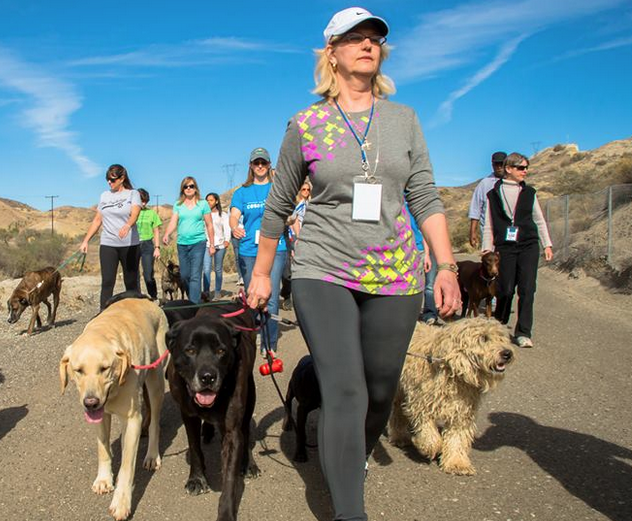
pixel 479 198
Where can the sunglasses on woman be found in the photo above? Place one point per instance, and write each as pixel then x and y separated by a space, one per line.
pixel 112 179
pixel 188 186
pixel 260 162
pixel 358 38
pixel 522 168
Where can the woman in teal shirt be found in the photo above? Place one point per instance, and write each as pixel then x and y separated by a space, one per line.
pixel 192 217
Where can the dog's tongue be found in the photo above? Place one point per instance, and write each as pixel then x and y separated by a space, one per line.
pixel 94 416
pixel 205 398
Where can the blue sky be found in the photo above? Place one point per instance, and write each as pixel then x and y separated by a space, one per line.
pixel 171 89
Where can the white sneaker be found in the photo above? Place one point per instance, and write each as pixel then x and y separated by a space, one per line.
pixel 524 341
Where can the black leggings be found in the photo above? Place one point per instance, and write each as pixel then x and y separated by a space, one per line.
pixel 109 257
pixel 358 342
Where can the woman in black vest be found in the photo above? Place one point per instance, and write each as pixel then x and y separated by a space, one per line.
pixel 514 227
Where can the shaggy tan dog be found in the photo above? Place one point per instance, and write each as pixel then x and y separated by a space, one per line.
pixel 446 372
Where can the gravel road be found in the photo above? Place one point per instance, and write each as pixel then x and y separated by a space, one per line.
pixel 554 440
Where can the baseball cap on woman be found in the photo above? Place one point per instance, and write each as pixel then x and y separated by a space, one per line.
pixel 347 19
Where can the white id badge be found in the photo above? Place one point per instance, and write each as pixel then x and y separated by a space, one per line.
pixel 512 233
pixel 257 237
pixel 367 199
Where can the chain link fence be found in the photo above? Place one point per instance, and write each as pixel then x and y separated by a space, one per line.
pixel 593 228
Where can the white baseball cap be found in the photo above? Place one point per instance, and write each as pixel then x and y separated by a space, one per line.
pixel 347 19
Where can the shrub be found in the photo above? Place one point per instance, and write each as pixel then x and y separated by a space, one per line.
pixel 32 250
pixel 622 171
pixel 558 148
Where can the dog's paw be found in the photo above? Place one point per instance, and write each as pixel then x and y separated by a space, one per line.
pixel 196 486
pixel 121 505
pixel 252 472
pixel 103 486
pixel 400 441
pixel 119 512
pixel 458 469
pixel 152 462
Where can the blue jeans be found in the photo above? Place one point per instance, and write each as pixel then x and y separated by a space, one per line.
pixel 217 263
pixel 147 261
pixel 247 264
pixel 430 309
pixel 240 271
pixel 191 257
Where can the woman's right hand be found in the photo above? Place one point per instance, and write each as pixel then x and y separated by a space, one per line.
pixel 84 247
pixel 238 232
pixel 259 291
pixel 165 239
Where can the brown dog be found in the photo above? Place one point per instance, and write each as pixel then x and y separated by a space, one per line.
pixel 477 281
pixel 172 282
pixel 32 290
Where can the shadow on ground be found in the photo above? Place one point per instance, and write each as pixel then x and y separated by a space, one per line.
pixel 10 417
pixel 588 467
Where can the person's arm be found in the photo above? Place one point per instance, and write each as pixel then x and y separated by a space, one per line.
pixel 210 232
pixel 173 222
pixel 226 228
pixel 543 230
pixel 290 173
pixel 488 236
pixel 237 231
pixel 156 242
pixel 133 217
pixel 424 204
pixel 474 239
pixel 94 227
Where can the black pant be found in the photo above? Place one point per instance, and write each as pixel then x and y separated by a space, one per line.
pixel 147 261
pixel 109 257
pixel 358 342
pixel 518 267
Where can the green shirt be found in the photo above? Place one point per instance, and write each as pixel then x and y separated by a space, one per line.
pixel 147 220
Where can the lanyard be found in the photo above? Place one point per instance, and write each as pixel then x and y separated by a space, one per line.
pixel 512 215
pixel 364 144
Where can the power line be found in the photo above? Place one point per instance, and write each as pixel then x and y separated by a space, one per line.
pixel 52 219
pixel 229 170
pixel 536 146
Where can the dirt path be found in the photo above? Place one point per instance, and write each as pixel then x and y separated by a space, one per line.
pixel 554 440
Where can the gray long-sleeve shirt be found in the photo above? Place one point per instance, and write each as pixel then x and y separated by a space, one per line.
pixel 373 257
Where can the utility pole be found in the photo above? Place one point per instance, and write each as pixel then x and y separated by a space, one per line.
pixel 157 196
pixel 52 219
pixel 536 146
pixel 229 170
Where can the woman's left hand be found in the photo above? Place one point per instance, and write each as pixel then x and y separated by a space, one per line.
pixel 548 254
pixel 259 291
pixel 211 250
pixel 226 243
pixel 156 252
pixel 124 231
pixel 447 293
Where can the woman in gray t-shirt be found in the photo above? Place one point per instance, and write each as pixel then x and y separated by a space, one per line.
pixel 117 212
pixel 356 281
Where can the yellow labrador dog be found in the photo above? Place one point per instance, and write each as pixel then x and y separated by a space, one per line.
pixel 128 333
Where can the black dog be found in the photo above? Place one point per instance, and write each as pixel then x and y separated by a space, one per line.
pixel 304 387
pixel 177 310
pixel 210 377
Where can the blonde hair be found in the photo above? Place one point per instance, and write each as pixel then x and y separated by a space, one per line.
pixel 299 197
pixel 327 84
pixel 187 180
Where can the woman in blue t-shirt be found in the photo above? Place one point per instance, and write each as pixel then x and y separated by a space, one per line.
pixel 192 217
pixel 249 202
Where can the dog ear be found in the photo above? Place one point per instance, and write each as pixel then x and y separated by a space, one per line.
pixel 64 369
pixel 172 335
pixel 126 362
pixel 462 367
pixel 235 335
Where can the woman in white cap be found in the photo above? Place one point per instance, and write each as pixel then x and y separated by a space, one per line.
pixel 356 280
pixel 247 205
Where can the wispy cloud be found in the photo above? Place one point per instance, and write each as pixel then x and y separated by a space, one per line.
pixel 205 51
pixel 606 46
pixel 51 102
pixel 467 34
pixel 444 113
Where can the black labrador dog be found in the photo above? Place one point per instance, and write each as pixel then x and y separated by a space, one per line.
pixel 304 387
pixel 211 378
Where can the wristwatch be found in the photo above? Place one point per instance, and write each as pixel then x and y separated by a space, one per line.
pixel 448 267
